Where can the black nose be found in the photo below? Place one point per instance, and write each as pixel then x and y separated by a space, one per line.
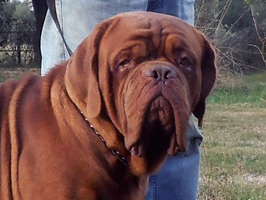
pixel 160 73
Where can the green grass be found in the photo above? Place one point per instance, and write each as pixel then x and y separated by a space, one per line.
pixel 245 89
pixel 234 148
pixel 233 153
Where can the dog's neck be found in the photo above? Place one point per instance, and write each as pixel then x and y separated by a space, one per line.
pixel 113 151
pixel 72 108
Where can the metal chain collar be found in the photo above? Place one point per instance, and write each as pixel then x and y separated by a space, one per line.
pixel 114 152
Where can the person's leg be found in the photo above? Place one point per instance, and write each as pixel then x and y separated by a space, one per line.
pixel 183 9
pixel 77 19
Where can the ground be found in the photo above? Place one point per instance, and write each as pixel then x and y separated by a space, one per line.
pixel 234 153
pixel 15 73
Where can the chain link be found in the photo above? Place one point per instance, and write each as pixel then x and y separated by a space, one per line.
pixel 114 152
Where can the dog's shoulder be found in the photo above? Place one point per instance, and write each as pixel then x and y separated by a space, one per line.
pixel 10 88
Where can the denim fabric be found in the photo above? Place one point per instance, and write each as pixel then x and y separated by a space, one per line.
pixel 78 19
pixel 178 179
pixel 183 9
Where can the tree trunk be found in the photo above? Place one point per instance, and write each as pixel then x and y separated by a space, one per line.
pixel 40 9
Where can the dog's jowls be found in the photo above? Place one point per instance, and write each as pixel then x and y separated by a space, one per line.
pixel 137 78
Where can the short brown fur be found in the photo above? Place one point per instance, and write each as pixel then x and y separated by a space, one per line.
pixel 48 150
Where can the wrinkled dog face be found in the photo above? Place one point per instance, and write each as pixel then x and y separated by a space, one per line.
pixel 152 73
pixel 154 67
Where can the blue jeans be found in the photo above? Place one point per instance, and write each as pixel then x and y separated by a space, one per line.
pixel 78 19
pixel 178 179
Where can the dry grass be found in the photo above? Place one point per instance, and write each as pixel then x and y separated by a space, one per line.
pixel 15 73
pixel 234 153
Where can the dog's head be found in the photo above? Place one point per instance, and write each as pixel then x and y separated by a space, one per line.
pixel 146 73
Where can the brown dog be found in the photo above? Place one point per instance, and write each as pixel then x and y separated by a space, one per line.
pixel 136 79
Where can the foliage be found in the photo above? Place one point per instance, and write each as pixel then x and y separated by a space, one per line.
pixel 239 38
pixel 254 1
pixel 17 29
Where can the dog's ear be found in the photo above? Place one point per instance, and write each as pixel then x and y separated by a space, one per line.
pixel 208 77
pixel 82 73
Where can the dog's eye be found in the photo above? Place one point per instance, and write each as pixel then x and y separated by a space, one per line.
pixel 185 63
pixel 124 63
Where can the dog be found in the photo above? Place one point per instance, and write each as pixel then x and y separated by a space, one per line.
pixel 96 126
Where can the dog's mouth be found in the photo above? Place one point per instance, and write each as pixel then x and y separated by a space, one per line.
pixel 161 112
pixel 156 123
pixel 156 131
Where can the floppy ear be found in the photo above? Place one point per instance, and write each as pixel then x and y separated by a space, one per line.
pixel 208 77
pixel 82 73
